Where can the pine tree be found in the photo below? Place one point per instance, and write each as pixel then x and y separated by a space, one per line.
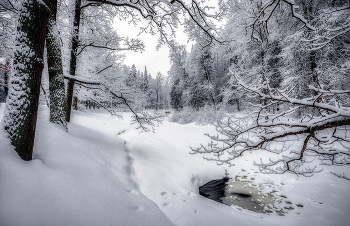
pixel 132 76
pixel 202 90
pixel 176 95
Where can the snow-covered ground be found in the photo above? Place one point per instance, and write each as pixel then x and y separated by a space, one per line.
pixel 105 172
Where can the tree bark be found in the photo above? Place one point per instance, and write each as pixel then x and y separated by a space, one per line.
pixel 73 59
pixel 22 106
pixel 56 79
pixel 6 78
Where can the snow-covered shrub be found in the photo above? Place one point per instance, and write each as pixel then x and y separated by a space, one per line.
pixel 209 114
pixel 205 115
pixel 186 115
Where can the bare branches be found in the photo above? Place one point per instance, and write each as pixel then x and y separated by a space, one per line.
pixel 145 12
pixel 130 44
pixel 194 13
pixel 8 5
pixel 341 176
pixel 163 15
pixel 329 35
pixel 324 33
pixel 146 121
pixel 321 135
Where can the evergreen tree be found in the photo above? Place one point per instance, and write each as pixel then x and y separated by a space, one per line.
pixel 132 76
pixel 176 95
pixel 145 82
pixel 179 77
pixel 202 90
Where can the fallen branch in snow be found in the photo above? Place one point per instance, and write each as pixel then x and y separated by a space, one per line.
pixel 341 176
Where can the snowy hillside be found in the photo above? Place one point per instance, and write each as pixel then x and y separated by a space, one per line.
pixel 105 172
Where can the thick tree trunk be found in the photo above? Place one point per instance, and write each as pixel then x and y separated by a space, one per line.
pixel 24 88
pixel 56 79
pixel 73 59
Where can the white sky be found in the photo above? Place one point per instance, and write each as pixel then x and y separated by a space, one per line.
pixel 156 61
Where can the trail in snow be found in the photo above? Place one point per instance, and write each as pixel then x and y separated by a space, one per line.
pixel 79 178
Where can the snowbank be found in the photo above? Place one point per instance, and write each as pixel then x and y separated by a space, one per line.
pixel 78 178
pixel 105 172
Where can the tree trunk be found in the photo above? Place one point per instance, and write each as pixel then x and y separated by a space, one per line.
pixel 22 106
pixel 56 79
pixel 75 103
pixel 73 59
pixel 6 77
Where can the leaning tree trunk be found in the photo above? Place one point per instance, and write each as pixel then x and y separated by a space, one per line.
pixel 56 79
pixel 73 59
pixel 24 87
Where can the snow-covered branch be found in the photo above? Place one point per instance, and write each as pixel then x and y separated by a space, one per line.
pixel 146 121
pixel 322 34
pixel 321 135
pixel 163 15
pixel 8 5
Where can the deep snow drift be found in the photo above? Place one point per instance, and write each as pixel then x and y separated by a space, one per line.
pixel 105 172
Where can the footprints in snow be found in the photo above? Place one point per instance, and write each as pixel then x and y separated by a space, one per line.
pixel 172 196
pixel 121 132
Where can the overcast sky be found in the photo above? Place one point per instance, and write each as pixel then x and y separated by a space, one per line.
pixel 156 61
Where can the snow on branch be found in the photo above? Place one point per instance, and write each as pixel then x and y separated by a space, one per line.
pixel 8 5
pixel 322 34
pixel 163 15
pixel 321 136
pixel 129 44
pixel 146 121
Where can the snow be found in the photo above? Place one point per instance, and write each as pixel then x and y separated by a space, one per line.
pixel 105 172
